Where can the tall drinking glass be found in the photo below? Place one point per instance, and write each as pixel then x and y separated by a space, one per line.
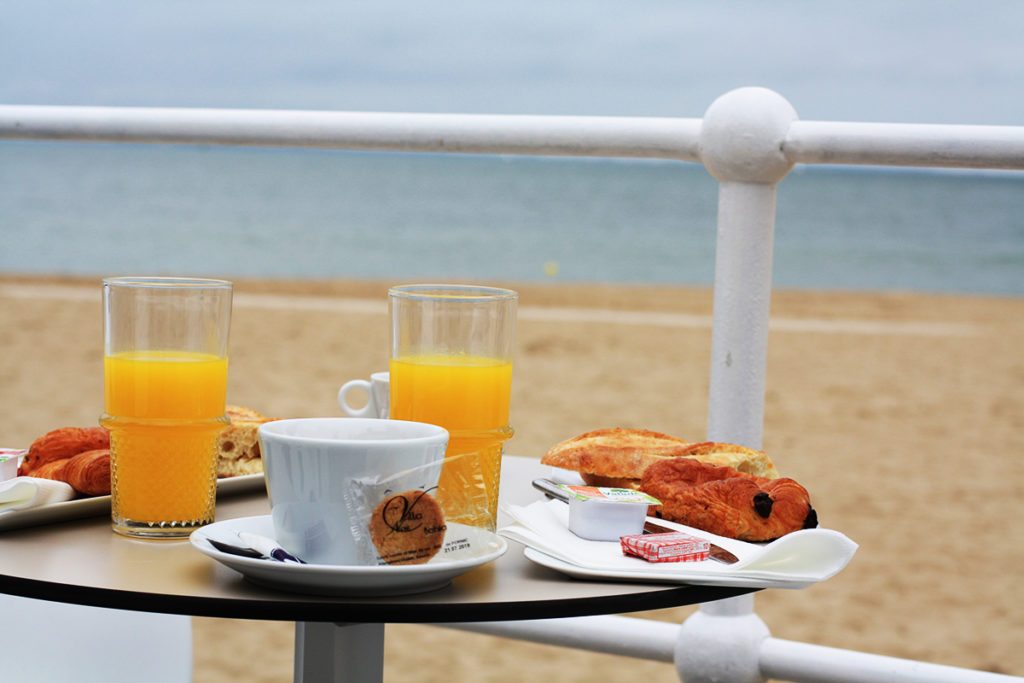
pixel 451 365
pixel 165 383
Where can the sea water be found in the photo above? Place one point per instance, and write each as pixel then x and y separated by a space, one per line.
pixel 97 209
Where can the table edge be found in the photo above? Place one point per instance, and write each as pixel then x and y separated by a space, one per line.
pixel 315 609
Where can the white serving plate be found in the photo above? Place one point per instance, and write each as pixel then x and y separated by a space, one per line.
pixel 325 579
pixel 684 573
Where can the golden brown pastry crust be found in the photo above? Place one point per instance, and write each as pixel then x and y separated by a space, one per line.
pixel 618 457
pixel 732 455
pixel 238 447
pixel 726 502
pixel 89 472
pixel 62 443
pixel 52 470
pixel 613 453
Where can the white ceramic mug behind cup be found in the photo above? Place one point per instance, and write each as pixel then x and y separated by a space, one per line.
pixel 377 392
pixel 311 465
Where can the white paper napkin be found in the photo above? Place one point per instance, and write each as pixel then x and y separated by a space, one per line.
pixel 22 493
pixel 799 558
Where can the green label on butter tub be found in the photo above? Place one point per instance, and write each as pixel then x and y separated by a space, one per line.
pixel 610 494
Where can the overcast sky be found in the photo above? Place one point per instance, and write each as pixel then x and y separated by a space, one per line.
pixel 918 60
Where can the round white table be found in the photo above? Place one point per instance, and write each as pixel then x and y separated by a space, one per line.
pixel 338 638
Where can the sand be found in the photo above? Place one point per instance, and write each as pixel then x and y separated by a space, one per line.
pixel 903 414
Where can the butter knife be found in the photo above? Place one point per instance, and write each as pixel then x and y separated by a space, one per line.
pixel 552 490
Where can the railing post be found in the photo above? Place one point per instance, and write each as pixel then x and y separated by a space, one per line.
pixel 741 145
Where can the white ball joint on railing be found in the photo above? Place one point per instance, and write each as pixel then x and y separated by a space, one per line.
pixel 742 136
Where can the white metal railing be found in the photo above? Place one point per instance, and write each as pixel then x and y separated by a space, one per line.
pixel 808 142
pixel 748 139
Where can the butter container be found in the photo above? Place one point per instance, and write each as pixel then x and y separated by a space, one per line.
pixel 606 514
pixel 9 458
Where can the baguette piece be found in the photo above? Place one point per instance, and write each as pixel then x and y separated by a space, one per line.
pixel 619 457
pixel 615 456
pixel 740 458
pixel 238 447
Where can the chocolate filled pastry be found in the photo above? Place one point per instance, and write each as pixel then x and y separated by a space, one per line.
pixel 727 502
pixel 62 443
pixel 89 472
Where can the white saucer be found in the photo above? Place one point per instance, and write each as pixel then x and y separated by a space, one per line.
pixel 326 579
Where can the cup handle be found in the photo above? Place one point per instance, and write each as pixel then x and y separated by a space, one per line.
pixel 369 410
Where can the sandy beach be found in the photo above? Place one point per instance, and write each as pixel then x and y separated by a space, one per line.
pixel 903 415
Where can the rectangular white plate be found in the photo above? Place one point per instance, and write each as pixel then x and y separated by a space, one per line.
pixel 100 505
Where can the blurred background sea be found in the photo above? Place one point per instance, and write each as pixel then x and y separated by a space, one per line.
pixel 102 209
pixel 94 209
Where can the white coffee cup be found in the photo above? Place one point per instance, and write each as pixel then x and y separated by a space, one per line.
pixel 315 468
pixel 377 392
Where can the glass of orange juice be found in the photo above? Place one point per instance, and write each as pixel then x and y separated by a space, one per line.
pixel 451 365
pixel 165 383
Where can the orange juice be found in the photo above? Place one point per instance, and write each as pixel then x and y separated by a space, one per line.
pixel 164 410
pixel 468 396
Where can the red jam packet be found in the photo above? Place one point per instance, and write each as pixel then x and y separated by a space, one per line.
pixel 675 547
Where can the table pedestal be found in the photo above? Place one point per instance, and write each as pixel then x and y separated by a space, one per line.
pixel 338 653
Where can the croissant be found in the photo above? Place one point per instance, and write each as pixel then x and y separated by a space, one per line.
pixel 51 470
pixel 62 443
pixel 89 472
pixel 726 502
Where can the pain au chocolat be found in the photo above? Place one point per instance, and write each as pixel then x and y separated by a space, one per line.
pixel 726 502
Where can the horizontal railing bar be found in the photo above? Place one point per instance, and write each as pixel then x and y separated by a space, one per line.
pixel 807 663
pixel 668 138
pixel 646 639
pixel 905 144
pixel 783 660
pixel 808 142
